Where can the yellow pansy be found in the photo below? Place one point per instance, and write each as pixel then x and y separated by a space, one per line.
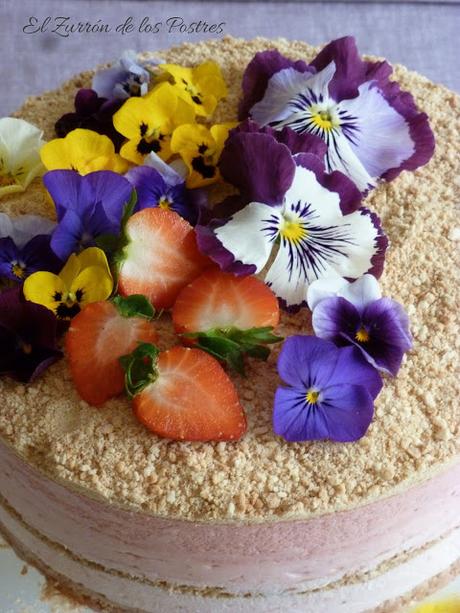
pixel 20 144
pixel 450 605
pixel 200 148
pixel 202 86
pixel 148 123
pixel 85 278
pixel 84 151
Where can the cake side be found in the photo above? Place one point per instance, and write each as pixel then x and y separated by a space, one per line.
pixel 415 428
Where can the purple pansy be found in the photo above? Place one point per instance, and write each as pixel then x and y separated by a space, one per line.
pixel 125 79
pixel 356 314
pixel 86 207
pixel 158 184
pixel 92 113
pixel 27 337
pixel 372 129
pixel 312 220
pixel 25 246
pixel 329 391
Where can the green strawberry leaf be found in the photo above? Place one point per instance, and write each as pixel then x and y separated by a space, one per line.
pixel 136 305
pixel 140 368
pixel 230 345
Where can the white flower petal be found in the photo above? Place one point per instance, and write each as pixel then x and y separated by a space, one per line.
pixel 26 227
pixel 382 137
pixel 361 292
pixel 324 288
pixel 6 225
pixel 340 156
pixel 288 282
pixel 324 205
pixel 245 234
pixel 20 144
pixel 281 88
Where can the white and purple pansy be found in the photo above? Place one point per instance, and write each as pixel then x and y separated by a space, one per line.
pixel 304 223
pixel 356 314
pixel 127 78
pixel 372 129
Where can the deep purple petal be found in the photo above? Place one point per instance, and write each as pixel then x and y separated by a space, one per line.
pixel 210 245
pixel 297 143
pixel 305 361
pixel 260 167
pixel 333 317
pixel 108 188
pixel 378 259
pixel 353 369
pixel 38 255
pixel 87 102
pixel 28 335
pixel 9 253
pixel 65 188
pixel 259 70
pixel 67 235
pixel 347 411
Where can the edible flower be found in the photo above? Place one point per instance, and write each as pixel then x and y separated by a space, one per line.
pixel 127 78
pixel 311 220
pixel 148 123
pixel 166 190
pixel 448 605
pixel 202 86
pixel 25 246
pixel 85 278
pixel 356 314
pixel 86 207
pixel 27 337
pixel 84 151
pixel 20 144
pixel 200 148
pixel 329 392
pixel 373 130
pixel 91 113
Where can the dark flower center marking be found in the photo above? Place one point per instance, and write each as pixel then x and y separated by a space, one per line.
pixel 205 170
pixel 18 269
pixel 145 147
pixel 196 99
pixel 195 96
pixel 67 311
pixel 57 297
pixel 143 128
pixel 202 148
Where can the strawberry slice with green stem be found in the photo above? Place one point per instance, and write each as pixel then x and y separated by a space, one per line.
pixel 183 394
pixel 98 336
pixel 228 316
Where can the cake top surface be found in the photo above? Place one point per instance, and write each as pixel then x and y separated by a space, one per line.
pixel 415 430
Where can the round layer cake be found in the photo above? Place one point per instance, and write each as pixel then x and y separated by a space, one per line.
pixel 133 522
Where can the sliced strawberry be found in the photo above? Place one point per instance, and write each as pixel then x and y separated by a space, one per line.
pixel 98 336
pixel 183 394
pixel 161 256
pixel 227 316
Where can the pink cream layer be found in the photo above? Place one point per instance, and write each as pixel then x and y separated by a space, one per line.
pixel 266 558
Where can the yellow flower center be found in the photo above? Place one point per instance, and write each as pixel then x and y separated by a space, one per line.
pixel 324 120
pixel 165 204
pixel 312 396
pixel 362 335
pixel 18 270
pixel 293 230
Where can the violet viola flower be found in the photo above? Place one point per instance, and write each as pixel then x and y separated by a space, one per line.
pixel 125 79
pixel 86 207
pixel 311 220
pixel 372 129
pixel 25 246
pixel 27 337
pixel 356 314
pixel 159 184
pixel 330 391
pixel 92 113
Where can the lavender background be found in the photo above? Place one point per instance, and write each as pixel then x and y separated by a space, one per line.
pixel 422 35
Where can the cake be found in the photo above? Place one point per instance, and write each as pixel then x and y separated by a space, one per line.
pixel 128 521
